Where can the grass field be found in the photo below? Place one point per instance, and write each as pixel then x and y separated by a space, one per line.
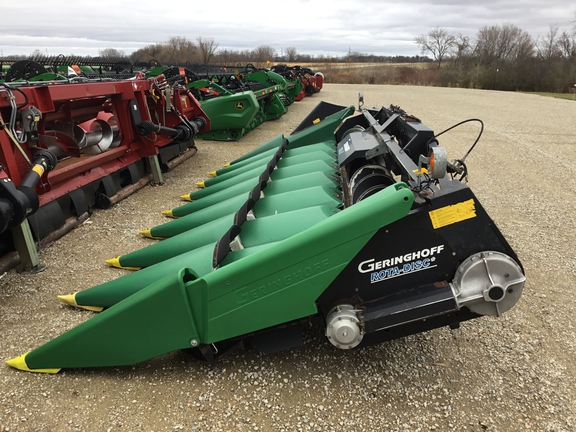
pixel 568 96
pixel 355 65
pixel 374 73
pixel 396 74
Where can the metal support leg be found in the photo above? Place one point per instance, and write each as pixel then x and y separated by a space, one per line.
pixel 26 248
pixel 155 169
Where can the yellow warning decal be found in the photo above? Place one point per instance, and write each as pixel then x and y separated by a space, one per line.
pixel 38 169
pixel 452 214
pixel 316 121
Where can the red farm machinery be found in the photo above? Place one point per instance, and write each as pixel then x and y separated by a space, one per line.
pixel 70 143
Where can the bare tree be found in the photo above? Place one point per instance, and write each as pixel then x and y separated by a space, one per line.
pixel 291 54
pixel 153 50
pixel 462 46
pixel 567 45
pixel 548 46
pixel 524 46
pixel 506 42
pixel 263 53
pixel 147 53
pixel 207 47
pixel 180 50
pixel 224 56
pixel 111 53
pixel 437 42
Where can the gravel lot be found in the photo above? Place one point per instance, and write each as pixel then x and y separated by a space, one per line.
pixel 516 372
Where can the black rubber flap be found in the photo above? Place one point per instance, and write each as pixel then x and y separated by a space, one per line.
pixel 279 339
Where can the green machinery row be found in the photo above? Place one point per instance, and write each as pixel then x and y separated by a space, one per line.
pixel 236 99
pixel 356 222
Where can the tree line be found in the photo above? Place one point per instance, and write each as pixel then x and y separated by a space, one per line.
pixel 500 57
pixel 181 50
pixel 503 57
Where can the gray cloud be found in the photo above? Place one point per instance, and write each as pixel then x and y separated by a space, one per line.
pixel 381 27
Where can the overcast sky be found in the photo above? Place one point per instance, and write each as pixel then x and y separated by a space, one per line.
pixel 328 27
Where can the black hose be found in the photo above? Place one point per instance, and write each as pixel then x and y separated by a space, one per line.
pixel 26 100
pixel 19 202
pixel 477 138
pixel 147 127
pixel 44 161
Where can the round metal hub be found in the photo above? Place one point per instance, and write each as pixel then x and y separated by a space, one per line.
pixel 343 327
pixel 488 283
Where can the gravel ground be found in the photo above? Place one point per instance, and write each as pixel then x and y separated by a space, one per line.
pixel 516 372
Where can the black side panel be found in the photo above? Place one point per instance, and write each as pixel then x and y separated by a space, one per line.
pixel 452 319
pixel 321 111
pixel 279 339
pixel 411 253
pixel 425 301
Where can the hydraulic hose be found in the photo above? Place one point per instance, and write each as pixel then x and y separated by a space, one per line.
pixel 19 202
pixel 147 127
pixel 182 132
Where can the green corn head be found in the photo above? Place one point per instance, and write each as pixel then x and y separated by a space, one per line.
pixel 356 223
